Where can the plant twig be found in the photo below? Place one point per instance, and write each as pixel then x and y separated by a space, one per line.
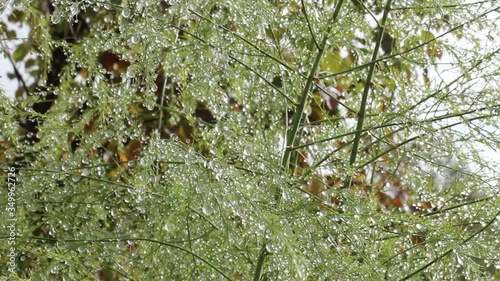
pixel 457 206
pixel 297 117
pixel 291 138
pixel 362 109
pixel 260 263
pixel 284 64
pixel 114 240
pixel 241 63
pixel 417 137
pixel 304 10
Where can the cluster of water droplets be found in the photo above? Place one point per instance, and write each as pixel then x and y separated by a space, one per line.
pixel 220 204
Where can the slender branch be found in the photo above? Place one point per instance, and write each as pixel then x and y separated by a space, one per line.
pixel 364 131
pixel 163 90
pixel 241 63
pixel 304 10
pixel 160 118
pixel 404 124
pixel 284 64
pixel 204 218
pixel 369 12
pixel 362 110
pixel 190 242
pixel 297 116
pixel 469 70
pixel 260 263
pixel 73 174
pixel 461 5
pixel 425 43
pixel 263 78
pixel 337 99
pixel 457 206
pixel 433 162
pixel 114 240
pixel 374 158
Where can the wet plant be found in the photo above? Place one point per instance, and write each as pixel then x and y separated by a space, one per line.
pixel 251 140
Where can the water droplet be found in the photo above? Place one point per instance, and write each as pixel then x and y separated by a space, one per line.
pixel 135 39
pixel 208 207
pixel 74 9
pixel 154 88
pixel 76 177
pixel 126 13
pixel 56 16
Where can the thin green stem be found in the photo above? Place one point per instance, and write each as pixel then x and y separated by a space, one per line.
pixel 476 65
pixel 362 110
pixel 241 63
pixel 422 268
pixel 263 78
pixel 114 240
pixel 16 70
pixel 425 43
pixel 77 175
pixel 415 138
pixel 304 10
pixel 434 7
pixel 457 206
pixel 284 64
pixel 335 98
pixel 405 125
pixel 260 263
